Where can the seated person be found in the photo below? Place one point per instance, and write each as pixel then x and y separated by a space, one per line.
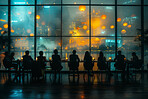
pixel 135 61
pixel 13 64
pixel 56 61
pixel 102 62
pixel 88 64
pixel 74 61
pixel 27 61
pixel 7 61
pixel 120 63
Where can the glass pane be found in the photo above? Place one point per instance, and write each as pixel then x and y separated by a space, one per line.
pixel 22 21
pixel 103 1
pixel 3 44
pixel 75 21
pixel 20 44
pixel 104 44
pixel 48 1
pixel 129 20
pixel 129 2
pixel 47 45
pixel 146 2
pixel 3 21
pixel 3 2
pixel 22 2
pixel 129 45
pixel 48 21
pixel 103 21
pixel 80 44
pixel 75 1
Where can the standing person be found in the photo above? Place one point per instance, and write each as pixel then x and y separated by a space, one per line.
pixel 7 61
pixel 56 61
pixel 135 61
pixel 88 64
pixel 102 62
pixel 74 61
pixel 27 61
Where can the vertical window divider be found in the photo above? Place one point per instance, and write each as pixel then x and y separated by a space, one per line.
pixel 61 27
pixel 116 45
pixel 90 26
pixel 9 25
pixel 35 29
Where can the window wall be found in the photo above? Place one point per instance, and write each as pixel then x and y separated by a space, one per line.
pixel 83 25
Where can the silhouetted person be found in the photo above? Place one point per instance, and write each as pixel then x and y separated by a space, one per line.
pixel 102 62
pixel 27 61
pixel 13 64
pixel 7 61
pixel 120 63
pixel 56 61
pixel 88 64
pixel 74 61
pixel 135 61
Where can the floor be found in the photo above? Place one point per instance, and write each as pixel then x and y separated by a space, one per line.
pixel 64 87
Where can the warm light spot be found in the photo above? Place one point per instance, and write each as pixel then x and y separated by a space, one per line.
pixel 2 32
pixel 5 26
pixel 12 31
pixel 74 3
pixel 125 24
pixel 125 59
pixel 31 34
pixel 123 31
pixel 103 17
pixel 103 27
pixel 85 27
pixel 0 28
pixel 87 31
pixel 119 20
pixel 66 48
pixel 110 58
pixel 66 59
pixel 29 12
pixel 70 32
pixel 28 30
pixel 2 20
pixel 18 13
pixel 50 58
pixel 82 8
pixel 43 23
pixel 129 26
pixel 97 39
pixel 112 26
pixel 37 17
pixel 93 58
pixel 21 38
pixel 95 22
pixel 78 28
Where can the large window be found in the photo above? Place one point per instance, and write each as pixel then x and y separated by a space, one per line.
pixel 66 25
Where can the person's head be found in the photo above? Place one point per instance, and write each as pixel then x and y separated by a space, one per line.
pixel 27 52
pixel 87 53
pixel 55 51
pixel 12 54
pixel 133 54
pixel 6 53
pixel 101 54
pixel 41 53
pixel 74 52
pixel 119 52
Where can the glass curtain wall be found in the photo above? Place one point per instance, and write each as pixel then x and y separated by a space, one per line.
pixel 83 25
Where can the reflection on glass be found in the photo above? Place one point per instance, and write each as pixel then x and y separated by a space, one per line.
pixel 104 44
pixel 20 44
pixel 129 2
pixel 75 21
pixel 48 21
pixel 22 21
pixel 75 1
pixel 22 2
pixel 3 21
pixel 103 21
pixel 48 1
pixel 129 21
pixel 3 2
pixel 129 45
pixel 103 1
pixel 48 44
pixel 80 44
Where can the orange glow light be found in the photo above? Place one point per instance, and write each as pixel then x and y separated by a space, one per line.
pixel 123 31
pixel 119 20
pixel 103 17
pixel 12 31
pixel 95 23
pixel 82 8
pixel 29 12
pixel 43 23
pixel 112 26
pixel 84 27
pixel 129 26
pixel 5 26
pixel 110 58
pixel 37 17
pixel 78 28
pixel 125 24
pixel 103 27
pixel 31 34
pixel 87 31
pixel 0 28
